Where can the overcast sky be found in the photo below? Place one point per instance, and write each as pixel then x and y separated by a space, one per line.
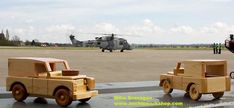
pixel 144 21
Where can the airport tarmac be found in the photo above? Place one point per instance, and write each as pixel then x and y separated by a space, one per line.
pixel 110 100
pixel 134 65
pixel 107 101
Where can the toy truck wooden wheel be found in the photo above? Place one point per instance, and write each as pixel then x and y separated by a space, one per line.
pixel 84 100
pixel 19 92
pixel 194 92
pixel 63 97
pixel 218 95
pixel 167 88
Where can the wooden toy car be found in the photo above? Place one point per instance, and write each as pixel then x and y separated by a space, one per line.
pixel 48 77
pixel 198 77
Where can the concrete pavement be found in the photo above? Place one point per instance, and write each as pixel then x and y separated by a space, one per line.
pixel 114 87
pixel 108 92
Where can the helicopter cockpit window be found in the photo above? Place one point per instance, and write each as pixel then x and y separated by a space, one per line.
pixel 121 43
pixel 108 38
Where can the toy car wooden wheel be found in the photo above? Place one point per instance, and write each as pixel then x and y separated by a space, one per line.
pixel 63 97
pixel 19 92
pixel 194 92
pixel 218 95
pixel 167 88
pixel 186 94
pixel 84 100
pixel 232 75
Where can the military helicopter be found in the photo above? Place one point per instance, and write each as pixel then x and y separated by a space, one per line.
pixel 110 42
pixel 105 42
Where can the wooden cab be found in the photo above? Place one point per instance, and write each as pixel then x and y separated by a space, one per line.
pixel 48 77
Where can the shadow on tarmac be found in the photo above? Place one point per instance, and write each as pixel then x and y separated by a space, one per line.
pixel 38 103
pixel 206 99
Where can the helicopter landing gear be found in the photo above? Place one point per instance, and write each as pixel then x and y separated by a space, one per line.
pixel 232 75
pixel 110 50
pixel 103 50
pixel 121 50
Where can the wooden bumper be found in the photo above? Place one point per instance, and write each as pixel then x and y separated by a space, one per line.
pixel 84 95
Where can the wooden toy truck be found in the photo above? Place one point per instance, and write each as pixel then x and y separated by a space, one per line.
pixel 42 77
pixel 198 77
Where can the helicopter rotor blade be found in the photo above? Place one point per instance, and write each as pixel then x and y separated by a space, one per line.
pixel 110 34
pixel 93 33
